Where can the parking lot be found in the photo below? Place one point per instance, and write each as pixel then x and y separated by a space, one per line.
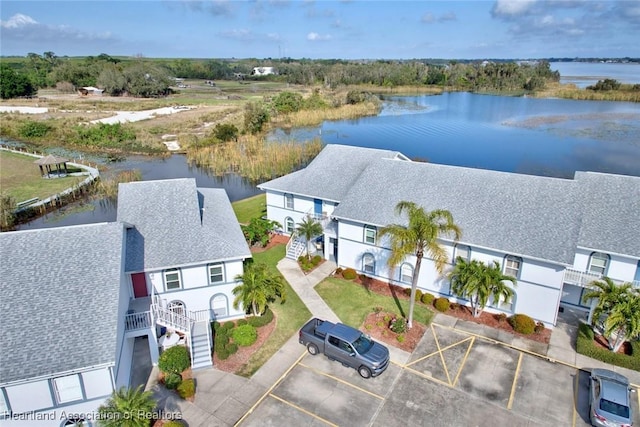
pixel 453 378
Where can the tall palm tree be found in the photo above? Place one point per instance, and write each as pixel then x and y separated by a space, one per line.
pixel 623 321
pixel 608 294
pixel 420 236
pixel 478 282
pixel 309 228
pixel 258 288
pixel 127 407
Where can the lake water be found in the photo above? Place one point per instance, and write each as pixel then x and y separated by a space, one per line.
pixel 550 137
pixel 584 74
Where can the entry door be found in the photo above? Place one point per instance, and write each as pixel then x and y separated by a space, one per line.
pixel 139 285
pixel 317 207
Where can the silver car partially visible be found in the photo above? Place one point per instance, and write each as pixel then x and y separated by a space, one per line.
pixel 610 399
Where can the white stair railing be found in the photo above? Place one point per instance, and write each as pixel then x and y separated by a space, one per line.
pixel 135 321
pixel 171 319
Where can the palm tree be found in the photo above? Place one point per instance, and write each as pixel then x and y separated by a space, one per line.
pixel 309 228
pixel 258 288
pixel 478 282
pixel 608 294
pixel 420 236
pixel 623 321
pixel 127 407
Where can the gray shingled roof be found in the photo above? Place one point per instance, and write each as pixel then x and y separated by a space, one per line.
pixel 519 214
pixel 59 299
pixel 611 212
pixel 331 174
pixel 177 224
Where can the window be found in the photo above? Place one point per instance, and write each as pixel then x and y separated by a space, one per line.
pixel 216 273
pixel 67 388
pixel 462 251
pixel 512 266
pixel 598 263
pixel 368 264
pixel 219 306
pixel 177 307
pixel 172 279
pixel 288 201
pixel 406 273
pixel 370 234
pixel 502 304
pixel 289 225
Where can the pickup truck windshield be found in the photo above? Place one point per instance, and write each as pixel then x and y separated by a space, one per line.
pixel 363 344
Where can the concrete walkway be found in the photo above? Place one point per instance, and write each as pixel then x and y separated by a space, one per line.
pixel 222 399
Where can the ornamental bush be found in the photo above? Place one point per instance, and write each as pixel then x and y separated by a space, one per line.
pixel 441 304
pixel 522 324
pixel 259 321
pixel 172 380
pixel 187 388
pixel 244 335
pixel 398 325
pixel 241 322
pixel 349 274
pixel 174 360
pixel 418 296
pixel 427 298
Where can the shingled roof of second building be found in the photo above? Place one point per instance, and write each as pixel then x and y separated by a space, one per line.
pixel 176 224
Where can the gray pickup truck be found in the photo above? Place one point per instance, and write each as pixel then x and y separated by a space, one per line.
pixel 345 344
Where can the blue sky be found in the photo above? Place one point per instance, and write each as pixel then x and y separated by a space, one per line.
pixel 323 29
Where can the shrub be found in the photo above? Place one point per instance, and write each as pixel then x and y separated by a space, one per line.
pixel 427 298
pixel 400 338
pixel 241 322
pixel 522 324
pixel 222 353
pixel 539 327
pixel 418 296
pixel 173 423
pixel 441 304
pixel 387 318
pixel 215 326
pixel 377 309
pixel 316 259
pixel 585 345
pixel 225 132
pixel 227 326
pixel 174 360
pixel 501 317
pixel 31 129
pixel 231 348
pixel 407 291
pixel 338 271
pixel 244 335
pixel 187 388
pixel 259 321
pixel 172 380
pixel 368 327
pixel 349 274
pixel 398 325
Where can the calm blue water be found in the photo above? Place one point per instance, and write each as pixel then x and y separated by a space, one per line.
pixel 584 74
pixel 551 137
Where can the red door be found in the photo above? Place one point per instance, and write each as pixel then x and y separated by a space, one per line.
pixel 139 285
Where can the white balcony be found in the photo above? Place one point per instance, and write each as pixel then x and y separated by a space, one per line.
pixel 584 278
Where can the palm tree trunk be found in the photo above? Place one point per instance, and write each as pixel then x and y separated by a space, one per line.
pixel 254 309
pixel 414 287
pixel 618 341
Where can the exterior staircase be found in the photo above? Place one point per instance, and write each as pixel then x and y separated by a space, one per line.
pixel 201 346
pixel 295 247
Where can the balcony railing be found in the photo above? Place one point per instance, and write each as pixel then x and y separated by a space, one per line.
pixel 135 321
pixel 584 278
pixel 171 319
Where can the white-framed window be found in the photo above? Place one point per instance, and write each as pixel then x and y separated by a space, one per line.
pixel 598 263
pixel 172 279
pixel 220 306
pixel 406 273
pixel 216 273
pixel 67 388
pixel 289 225
pixel 177 307
pixel 4 406
pixel 461 251
pixel 368 264
pixel 502 304
pixel 370 233
pixel 512 266
pixel 288 201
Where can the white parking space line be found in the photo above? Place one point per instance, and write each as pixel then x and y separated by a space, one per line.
pixel 303 410
pixel 340 380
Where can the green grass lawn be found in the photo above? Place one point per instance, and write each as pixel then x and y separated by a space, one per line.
pixel 252 207
pixel 352 302
pixel 20 178
pixel 290 316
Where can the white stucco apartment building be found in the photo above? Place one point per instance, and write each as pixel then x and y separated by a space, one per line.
pixel 75 299
pixel 554 235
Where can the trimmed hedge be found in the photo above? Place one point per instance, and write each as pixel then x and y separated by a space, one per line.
pixel 427 298
pixel 244 335
pixel 174 359
pixel 418 296
pixel 586 346
pixel 349 274
pixel 259 321
pixel 187 388
pixel 172 380
pixel 442 304
pixel 523 324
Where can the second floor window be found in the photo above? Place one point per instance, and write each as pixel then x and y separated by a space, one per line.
pixel 598 263
pixel 172 279
pixel 370 234
pixel 288 201
pixel 216 273
pixel 512 266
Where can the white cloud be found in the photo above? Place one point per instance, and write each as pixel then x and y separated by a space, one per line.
pixel 508 8
pixel 18 21
pixel 318 37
